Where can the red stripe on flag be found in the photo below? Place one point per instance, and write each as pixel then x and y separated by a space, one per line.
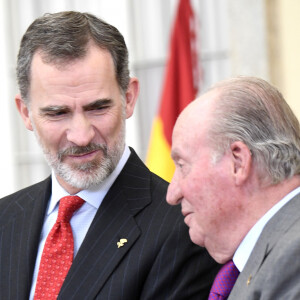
pixel 182 69
pixel 179 89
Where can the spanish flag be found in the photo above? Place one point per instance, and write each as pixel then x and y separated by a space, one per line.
pixel 179 89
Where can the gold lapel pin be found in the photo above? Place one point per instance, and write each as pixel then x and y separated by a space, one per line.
pixel 121 242
pixel 249 280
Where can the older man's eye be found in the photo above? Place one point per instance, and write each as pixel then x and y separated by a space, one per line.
pixel 179 165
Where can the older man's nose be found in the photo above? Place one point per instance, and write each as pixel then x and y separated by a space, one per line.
pixel 174 195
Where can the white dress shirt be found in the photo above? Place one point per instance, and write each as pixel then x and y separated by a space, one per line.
pixel 244 250
pixel 82 218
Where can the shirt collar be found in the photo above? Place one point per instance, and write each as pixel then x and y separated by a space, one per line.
pixel 244 250
pixel 93 196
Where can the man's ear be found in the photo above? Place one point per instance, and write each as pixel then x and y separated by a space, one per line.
pixel 241 162
pixel 24 111
pixel 131 96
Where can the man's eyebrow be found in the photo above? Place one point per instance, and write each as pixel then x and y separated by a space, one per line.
pixel 63 108
pixel 97 104
pixel 54 108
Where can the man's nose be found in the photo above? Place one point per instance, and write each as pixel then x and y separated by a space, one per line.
pixel 174 195
pixel 80 132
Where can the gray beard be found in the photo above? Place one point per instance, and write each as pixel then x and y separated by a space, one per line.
pixel 87 175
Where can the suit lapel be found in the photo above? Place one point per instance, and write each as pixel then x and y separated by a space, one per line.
pixel 24 219
pixel 270 236
pixel 99 253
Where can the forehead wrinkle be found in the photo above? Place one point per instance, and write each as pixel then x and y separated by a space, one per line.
pixel 192 127
pixel 79 81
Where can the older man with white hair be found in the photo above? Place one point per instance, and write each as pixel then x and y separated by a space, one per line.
pixel 237 178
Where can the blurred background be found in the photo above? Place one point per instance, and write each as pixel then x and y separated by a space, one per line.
pixel 257 37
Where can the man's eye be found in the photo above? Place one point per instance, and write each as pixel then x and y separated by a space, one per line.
pixel 58 113
pixel 98 109
pixel 54 114
pixel 179 165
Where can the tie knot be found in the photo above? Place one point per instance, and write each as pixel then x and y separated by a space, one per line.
pixel 224 281
pixel 67 206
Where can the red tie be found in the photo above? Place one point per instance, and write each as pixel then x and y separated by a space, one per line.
pixel 224 282
pixel 58 251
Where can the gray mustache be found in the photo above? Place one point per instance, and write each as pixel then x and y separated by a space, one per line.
pixel 78 150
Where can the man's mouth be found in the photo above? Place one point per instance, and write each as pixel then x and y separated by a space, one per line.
pixel 77 152
pixel 82 155
pixel 185 213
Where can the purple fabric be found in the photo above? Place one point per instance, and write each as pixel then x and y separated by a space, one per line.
pixel 224 282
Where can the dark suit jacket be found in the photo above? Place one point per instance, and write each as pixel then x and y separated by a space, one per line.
pixel 273 269
pixel 157 262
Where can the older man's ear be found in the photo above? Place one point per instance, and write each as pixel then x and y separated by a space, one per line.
pixel 241 162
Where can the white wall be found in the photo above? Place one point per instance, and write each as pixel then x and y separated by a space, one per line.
pixel 7 174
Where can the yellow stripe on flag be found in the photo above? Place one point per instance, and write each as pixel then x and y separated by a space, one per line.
pixel 159 154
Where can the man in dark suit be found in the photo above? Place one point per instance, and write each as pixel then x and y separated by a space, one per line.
pixel 127 243
pixel 245 206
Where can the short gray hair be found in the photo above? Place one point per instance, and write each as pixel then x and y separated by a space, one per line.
pixel 65 36
pixel 251 110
